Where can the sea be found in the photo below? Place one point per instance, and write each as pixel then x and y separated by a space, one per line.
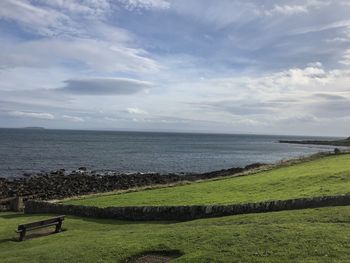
pixel 43 150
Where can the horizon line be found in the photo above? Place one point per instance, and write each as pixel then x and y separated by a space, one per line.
pixel 172 132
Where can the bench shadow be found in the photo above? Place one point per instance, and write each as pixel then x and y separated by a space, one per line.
pixel 32 235
pixel 43 233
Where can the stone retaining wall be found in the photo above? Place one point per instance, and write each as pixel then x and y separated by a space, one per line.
pixel 179 213
pixel 4 208
pixel 14 204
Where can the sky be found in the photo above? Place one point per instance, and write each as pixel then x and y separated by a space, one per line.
pixel 224 66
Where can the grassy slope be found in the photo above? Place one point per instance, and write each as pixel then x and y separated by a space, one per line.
pixel 324 176
pixel 310 235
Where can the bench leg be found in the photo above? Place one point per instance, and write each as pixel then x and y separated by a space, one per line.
pixel 58 227
pixel 22 235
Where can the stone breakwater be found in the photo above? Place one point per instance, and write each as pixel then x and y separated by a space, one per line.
pixel 59 184
pixel 180 213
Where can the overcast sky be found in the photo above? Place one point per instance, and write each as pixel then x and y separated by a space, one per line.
pixel 252 66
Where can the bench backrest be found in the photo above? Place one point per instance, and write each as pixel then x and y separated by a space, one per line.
pixel 41 223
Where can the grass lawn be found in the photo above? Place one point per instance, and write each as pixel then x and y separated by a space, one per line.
pixel 324 176
pixel 310 235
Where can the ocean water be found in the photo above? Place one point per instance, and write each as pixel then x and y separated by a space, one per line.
pixel 26 150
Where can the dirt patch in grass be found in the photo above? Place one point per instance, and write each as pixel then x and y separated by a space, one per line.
pixel 155 257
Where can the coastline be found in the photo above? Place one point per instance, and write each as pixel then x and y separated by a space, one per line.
pixel 343 143
pixel 58 185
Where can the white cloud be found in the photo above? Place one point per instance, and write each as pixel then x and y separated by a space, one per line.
pixel 100 55
pixel 36 19
pixel 345 23
pixel 36 115
pixel 316 64
pixel 136 111
pixel 72 118
pixel 295 77
pixel 346 58
pixel 287 10
pixel 294 9
pixel 85 7
pixel 67 38
pixel 54 17
pixel 283 81
pixel 298 94
pixel 219 15
pixel 145 4
pixel 338 40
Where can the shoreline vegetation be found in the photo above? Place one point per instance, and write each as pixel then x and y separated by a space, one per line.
pixel 305 235
pixel 344 142
pixel 316 176
pixel 60 185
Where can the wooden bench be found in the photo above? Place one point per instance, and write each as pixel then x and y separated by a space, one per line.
pixel 55 221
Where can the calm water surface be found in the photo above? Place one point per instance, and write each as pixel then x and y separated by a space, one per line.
pixel 25 150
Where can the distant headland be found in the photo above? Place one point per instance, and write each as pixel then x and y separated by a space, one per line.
pixel 34 128
pixel 344 142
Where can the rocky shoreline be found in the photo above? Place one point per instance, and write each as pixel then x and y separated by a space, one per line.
pixel 60 184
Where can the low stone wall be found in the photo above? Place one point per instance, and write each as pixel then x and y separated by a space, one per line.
pixel 14 204
pixel 4 208
pixel 180 213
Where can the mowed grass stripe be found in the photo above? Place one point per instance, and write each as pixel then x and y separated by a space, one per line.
pixel 321 177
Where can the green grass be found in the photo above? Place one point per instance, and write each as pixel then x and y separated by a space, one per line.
pixel 310 235
pixel 324 176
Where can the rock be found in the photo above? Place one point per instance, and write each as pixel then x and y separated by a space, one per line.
pixel 59 184
pixel 254 166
